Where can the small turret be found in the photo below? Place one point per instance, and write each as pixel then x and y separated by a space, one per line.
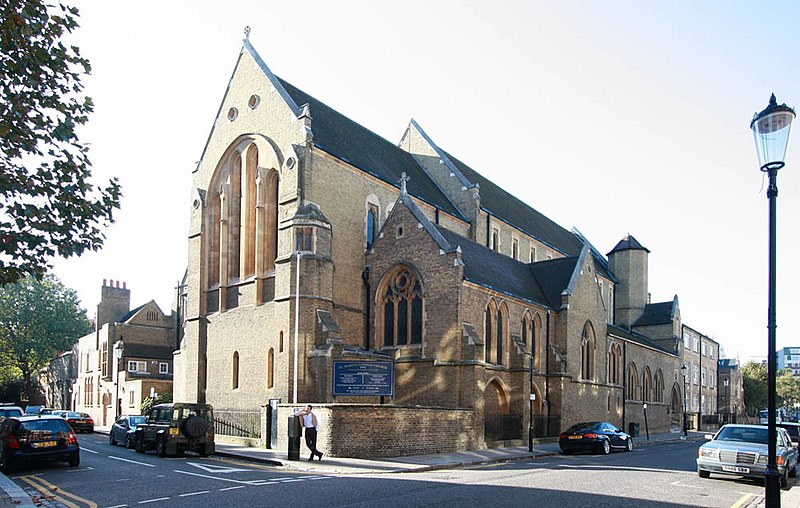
pixel 628 261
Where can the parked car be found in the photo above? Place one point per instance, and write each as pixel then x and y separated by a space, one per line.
pixel 80 422
pixel 176 427
pixel 594 436
pixel 7 410
pixel 61 412
pixel 741 450
pixel 33 410
pixel 27 440
pixel 794 431
pixel 124 429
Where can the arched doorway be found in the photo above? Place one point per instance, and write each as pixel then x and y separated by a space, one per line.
pixel 499 423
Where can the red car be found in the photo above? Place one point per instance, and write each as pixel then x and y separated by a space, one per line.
pixel 80 422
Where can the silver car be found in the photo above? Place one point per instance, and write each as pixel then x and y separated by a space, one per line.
pixel 741 450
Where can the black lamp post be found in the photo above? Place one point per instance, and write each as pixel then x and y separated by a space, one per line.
pixel 771 129
pixel 119 351
pixel 685 396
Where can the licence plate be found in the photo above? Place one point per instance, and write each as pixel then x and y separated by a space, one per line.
pixel 736 469
pixel 44 444
pixel 576 437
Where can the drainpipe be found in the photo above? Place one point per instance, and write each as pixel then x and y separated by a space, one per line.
pixel 547 376
pixel 624 379
pixel 365 278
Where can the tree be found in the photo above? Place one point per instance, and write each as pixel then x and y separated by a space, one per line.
pixel 787 387
pixel 48 207
pixel 38 320
pixel 754 380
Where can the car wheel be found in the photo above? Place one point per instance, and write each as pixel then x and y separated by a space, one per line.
pixel 606 447
pixel 138 444
pixel 75 460
pixel 702 473
pixel 128 442
pixel 629 445
pixel 785 479
pixel 5 467
pixel 161 447
pixel 111 439
pixel 793 472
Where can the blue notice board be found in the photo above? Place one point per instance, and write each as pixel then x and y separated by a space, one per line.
pixel 363 378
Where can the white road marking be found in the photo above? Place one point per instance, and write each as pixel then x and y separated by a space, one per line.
pixel 259 483
pixel 87 468
pixel 131 461
pixel 154 500
pixel 118 506
pixel 232 488
pixel 627 468
pixel 195 493
pixel 216 477
pixel 214 468
pixel 679 484
pixel 84 449
pixel 295 480
pixel 281 479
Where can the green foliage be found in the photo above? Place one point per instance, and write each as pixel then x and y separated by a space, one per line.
pixel 149 402
pixel 754 379
pixel 38 320
pixel 12 387
pixel 787 387
pixel 48 207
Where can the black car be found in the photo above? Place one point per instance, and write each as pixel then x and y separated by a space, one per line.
pixel 27 440
pixel 176 427
pixel 793 429
pixel 599 437
pixel 124 429
pixel 80 422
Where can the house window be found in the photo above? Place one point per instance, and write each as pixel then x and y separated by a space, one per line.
pixel 614 364
pixel 696 347
pixel 401 311
pixel 304 239
pixel 703 377
pixel 163 368
pixel 515 248
pixel 696 374
pixel 135 366
pixel 372 225
pixel 235 371
pixel 104 359
pixel 658 389
pixel 687 340
pixel 647 385
pixel 703 348
pixel 495 240
pixel 533 254
pixel 587 352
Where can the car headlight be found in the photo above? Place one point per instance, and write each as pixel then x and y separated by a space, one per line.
pixel 762 459
pixel 711 453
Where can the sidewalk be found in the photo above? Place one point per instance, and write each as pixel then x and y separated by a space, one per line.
pixel 335 465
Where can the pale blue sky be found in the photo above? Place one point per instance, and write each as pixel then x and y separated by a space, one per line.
pixel 613 117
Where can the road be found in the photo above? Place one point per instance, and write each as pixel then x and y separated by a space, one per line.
pixel 660 475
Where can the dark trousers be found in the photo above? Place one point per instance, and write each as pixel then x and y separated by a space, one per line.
pixel 311 441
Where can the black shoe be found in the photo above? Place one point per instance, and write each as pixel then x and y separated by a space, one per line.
pixel 320 455
pixel 311 458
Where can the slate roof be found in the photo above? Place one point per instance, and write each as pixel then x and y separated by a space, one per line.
pixel 656 314
pixel 130 314
pixel 506 275
pixel 636 337
pixel 133 350
pixel 629 243
pixel 345 139
pixel 507 207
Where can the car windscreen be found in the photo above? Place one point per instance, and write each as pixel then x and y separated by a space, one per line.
pixel 794 431
pixel 582 427
pixel 5 413
pixel 743 434
pixel 136 420
pixel 34 430
pixel 72 416
pixel 183 413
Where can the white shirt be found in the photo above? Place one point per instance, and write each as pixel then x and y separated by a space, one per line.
pixel 310 420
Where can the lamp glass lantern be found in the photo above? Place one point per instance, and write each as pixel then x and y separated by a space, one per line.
pixel 771 128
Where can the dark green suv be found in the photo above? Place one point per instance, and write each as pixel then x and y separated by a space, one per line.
pixel 176 427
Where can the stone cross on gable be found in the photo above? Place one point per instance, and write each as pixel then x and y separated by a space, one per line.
pixel 246 33
pixel 403 179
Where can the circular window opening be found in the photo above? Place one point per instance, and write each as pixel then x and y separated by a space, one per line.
pixel 290 162
pixel 253 102
pixel 232 114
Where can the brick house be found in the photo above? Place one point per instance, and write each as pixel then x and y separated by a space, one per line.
pixel 494 317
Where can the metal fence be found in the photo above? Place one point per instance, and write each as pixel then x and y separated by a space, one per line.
pixel 238 423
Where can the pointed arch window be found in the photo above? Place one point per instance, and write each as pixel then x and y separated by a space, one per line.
pixel 270 368
pixel 614 364
pixel 633 382
pixel 658 387
pixel 495 331
pixel 234 217
pixel 372 224
pixel 402 306
pixel 647 385
pixel 248 219
pixel 487 334
pixel 587 352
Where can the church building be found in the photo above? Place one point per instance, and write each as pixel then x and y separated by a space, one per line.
pixel 314 241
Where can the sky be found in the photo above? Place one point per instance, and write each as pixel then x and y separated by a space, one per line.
pixel 611 117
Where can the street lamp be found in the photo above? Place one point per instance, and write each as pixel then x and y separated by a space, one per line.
pixel 119 350
pixel 296 326
pixel 685 395
pixel 771 129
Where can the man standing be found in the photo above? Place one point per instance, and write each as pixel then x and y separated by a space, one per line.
pixel 311 426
